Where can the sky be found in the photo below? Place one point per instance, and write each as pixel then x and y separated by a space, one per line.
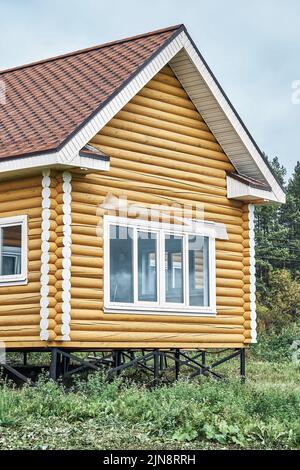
pixel 252 47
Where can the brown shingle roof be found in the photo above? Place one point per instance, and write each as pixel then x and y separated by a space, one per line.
pixel 47 101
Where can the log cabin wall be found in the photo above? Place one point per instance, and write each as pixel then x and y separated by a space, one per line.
pixel 32 315
pixel 20 304
pixel 161 152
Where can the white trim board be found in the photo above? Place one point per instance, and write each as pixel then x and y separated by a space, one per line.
pixel 50 160
pixel 45 256
pixel 66 254
pixel 204 91
pixel 252 274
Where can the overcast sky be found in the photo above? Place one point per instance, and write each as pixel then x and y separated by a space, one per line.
pixel 253 47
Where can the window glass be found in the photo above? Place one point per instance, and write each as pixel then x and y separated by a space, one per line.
pixel 174 268
pixel 198 271
pixel 147 267
pixel 11 250
pixel 121 264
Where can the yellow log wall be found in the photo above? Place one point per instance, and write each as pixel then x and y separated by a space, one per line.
pixel 20 304
pixel 161 152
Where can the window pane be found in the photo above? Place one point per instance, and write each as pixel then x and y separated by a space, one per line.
pixel 174 269
pixel 11 250
pixel 121 264
pixel 147 266
pixel 198 271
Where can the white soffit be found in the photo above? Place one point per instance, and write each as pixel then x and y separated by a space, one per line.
pixel 22 165
pixel 245 192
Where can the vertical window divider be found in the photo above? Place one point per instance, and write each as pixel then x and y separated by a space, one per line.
pixel 186 270
pixel 24 246
pixel 161 271
pixel 158 273
pixel 1 250
pixel 212 281
pixel 135 265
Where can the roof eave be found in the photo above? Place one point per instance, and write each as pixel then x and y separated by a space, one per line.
pixel 245 192
pixel 33 163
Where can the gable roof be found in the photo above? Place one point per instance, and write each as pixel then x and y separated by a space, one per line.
pixel 47 101
pixel 56 106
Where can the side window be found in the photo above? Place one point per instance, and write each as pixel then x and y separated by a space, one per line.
pixel 13 250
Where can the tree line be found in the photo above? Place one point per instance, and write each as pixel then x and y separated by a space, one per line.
pixel 277 233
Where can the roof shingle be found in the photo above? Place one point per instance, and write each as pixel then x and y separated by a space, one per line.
pixel 47 101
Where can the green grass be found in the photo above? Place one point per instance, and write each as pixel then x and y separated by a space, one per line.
pixel 200 414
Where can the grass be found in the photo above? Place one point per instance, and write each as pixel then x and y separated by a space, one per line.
pixel 203 414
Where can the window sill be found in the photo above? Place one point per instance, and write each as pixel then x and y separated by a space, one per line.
pixel 160 311
pixel 11 282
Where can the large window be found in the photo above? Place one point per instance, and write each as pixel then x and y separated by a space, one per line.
pixel 158 269
pixel 13 250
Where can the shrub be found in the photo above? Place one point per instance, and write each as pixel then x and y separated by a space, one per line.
pixel 276 346
pixel 280 304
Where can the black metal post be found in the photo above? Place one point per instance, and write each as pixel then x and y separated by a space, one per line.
pixel 24 358
pixel 243 365
pixel 65 361
pixel 156 356
pixel 117 360
pixel 161 361
pixel 54 364
pixel 177 363
pixel 203 360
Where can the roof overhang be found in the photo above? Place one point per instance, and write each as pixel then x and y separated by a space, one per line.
pixel 30 164
pixel 205 92
pixel 246 192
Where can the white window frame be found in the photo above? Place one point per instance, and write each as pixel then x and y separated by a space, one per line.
pixel 161 307
pixel 15 279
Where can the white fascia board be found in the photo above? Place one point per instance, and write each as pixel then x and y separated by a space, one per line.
pixel 50 160
pixel 244 192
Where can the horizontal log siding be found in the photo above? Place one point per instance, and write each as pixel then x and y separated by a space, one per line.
pixel 161 152
pixel 20 305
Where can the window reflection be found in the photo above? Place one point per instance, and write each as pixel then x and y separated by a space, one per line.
pixel 11 239
pixel 147 266
pixel 198 271
pixel 174 269
pixel 121 264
